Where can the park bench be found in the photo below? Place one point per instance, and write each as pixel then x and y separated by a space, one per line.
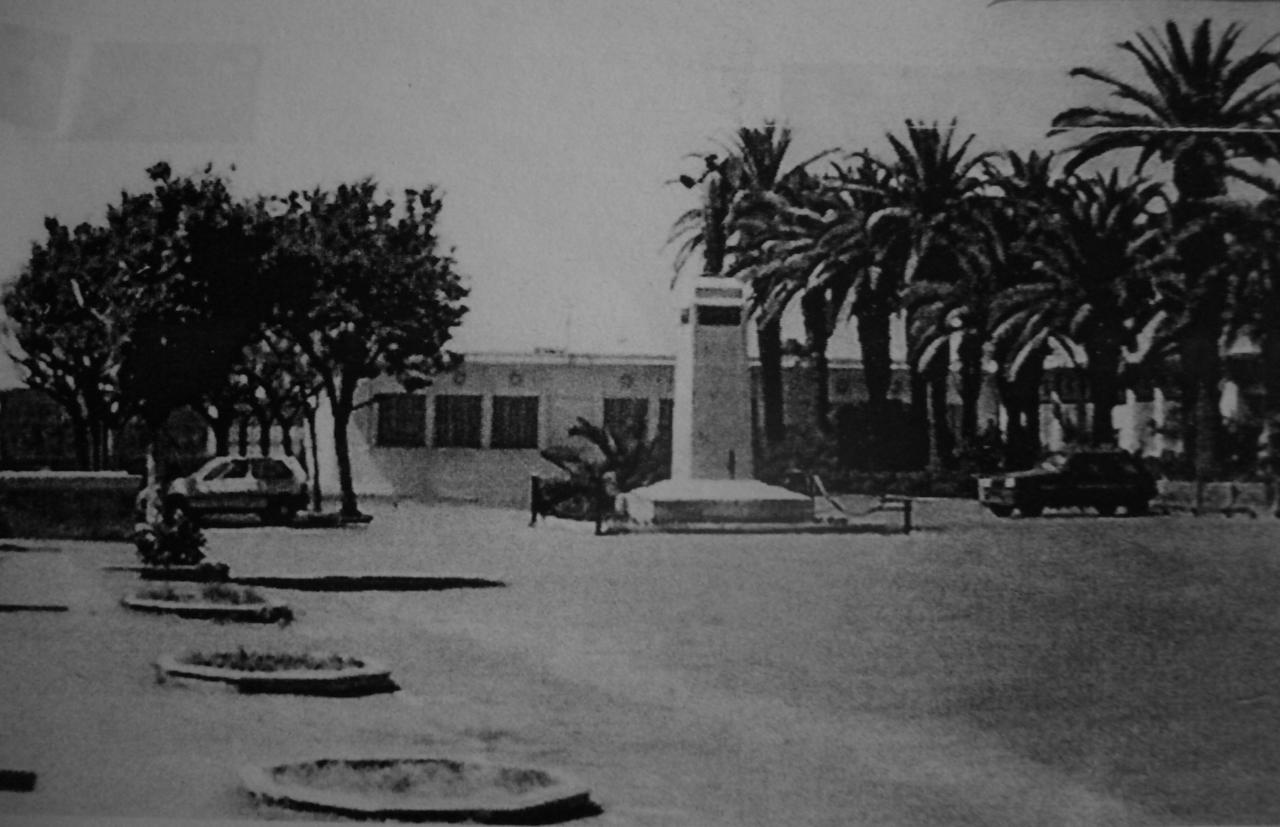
pixel 813 486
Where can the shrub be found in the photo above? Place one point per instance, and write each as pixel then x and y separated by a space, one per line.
pixel 615 462
pixel 802 454
pixel 172 540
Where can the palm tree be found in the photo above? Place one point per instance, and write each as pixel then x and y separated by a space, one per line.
pixel 1252 267
pixel 959 311
pixel 1201 109
pixel 1026 190
pixel 930 187
pixel 753 164
pixel 863 278
pixel 778 250
pixel 1091 282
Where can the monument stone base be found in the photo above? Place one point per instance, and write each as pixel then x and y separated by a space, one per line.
pixel 700 502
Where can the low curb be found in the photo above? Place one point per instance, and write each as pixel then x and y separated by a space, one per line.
pixel 269 611
pixel 370 678
pixel 563 799
pixel 753 528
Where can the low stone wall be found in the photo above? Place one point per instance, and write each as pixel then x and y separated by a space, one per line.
pixel 1251 498
pixel 79 505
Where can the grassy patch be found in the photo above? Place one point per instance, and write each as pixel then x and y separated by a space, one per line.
pixel 220 593
pixel 242 660
pixel 424 778
pixel 1146 661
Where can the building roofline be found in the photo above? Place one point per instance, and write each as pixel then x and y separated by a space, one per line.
pixel 556 356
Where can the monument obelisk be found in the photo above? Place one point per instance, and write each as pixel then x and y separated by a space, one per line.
pixel 712 462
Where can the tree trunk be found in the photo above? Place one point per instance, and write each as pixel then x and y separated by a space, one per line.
pixel 769 341
pixel 1203 365
pixel 1270 458
pixel 221 427
pixel 97 445
pixel 286 437
pixel 153 476
pixel 970 353
pixel 921 432
pixel 243 435
pixel 941 440
pixel 877 376
pixel 813 306
pixel 342 408
pixel 1104 387
pixel 1029 381
pixel 264 434
pixel 80 439
pixel 315 459
pixel 1197 177
pixel 877 361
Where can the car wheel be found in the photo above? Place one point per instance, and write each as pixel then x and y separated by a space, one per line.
pixel 1107 510
pixel 1031 509
pixel 1138 508
pixel 277 514
pixel 1001 510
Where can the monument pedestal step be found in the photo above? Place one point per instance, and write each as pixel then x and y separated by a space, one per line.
pixel 715 503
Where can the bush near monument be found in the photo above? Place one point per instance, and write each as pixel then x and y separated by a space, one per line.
pixel 615 462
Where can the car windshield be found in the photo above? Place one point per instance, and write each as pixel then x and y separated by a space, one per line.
pixel 272 470
pixel 234 469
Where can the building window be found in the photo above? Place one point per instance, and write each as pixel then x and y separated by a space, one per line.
pixel 402 421
pixel 515 422
pixel 458 421
pixel 715 316
pixel 623 415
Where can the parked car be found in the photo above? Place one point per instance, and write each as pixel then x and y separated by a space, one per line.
pixel 1104 480
pixel 273 487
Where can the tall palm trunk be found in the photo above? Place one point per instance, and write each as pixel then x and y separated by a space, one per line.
pixel 1271 414
pixel 1201 359
pixel 941 439
pixel 769 342
pixel 877 372
pixel 813 306
pixel 970 357
pixel 1104 390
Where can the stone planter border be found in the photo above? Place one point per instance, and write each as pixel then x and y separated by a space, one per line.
pixel 269 611
pixel 565 798
pixel 373 677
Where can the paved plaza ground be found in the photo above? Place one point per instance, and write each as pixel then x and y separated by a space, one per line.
pixel 1069 670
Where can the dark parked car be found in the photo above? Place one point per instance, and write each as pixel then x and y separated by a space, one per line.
pixel 273 487
pixel 1104 480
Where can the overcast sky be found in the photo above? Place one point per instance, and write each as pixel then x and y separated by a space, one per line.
pixel 551 125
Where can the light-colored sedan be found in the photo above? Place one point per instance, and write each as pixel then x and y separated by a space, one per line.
pixel 273 487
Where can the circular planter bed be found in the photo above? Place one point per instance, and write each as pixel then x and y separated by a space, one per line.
pixel 217 601
pixel 311 673
pixel 422 789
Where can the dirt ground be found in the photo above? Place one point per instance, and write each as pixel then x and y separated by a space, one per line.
pixel 1063 671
